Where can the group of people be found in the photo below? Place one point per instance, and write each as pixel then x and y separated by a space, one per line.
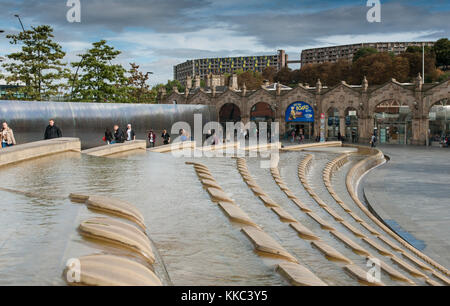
pixel 117 135
pixel 300 137
pixel 8 139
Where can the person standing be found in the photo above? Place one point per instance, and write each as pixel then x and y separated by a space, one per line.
pixel 373 141
pixel 108 136
pixel 293 136
pixel 7 135
pixel 166 137
pixel 131 135
pixel 52 131
pixel 151 138
pixel 119 135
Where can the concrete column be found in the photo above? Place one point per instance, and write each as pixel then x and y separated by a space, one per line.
pixel 342 125
pixel 365 129
pixel 419 131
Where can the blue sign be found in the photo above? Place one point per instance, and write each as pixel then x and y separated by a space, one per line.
pixel 300 112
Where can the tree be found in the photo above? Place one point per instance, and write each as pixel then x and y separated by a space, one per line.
pixel 283 76
pixel 139 90
pixel 377 67
pixel 364 52
pixel 100 81
pixel 38 65
pixel 269 74
pixel 252 80
pixel 442 50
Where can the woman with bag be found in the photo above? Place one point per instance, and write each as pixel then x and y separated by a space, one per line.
pixel 7 135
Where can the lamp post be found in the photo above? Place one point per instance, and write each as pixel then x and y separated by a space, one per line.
pixel 20 20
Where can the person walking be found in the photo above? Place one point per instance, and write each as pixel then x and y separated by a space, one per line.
pixel 7 136
pixel 119 135
pixel 166 137
pixel 131 135
pixel 52 131
pixel 108 136
pixel 373 141
pixel 151 138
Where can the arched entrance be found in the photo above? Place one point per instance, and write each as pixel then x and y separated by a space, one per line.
pixel 439 118
pixel 334 123
pixel 262 113
pixel 351 125
pixel 229 112
pixel 393 123
pixel 300 119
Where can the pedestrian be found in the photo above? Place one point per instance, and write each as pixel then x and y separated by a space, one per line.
pixel 7 136
pixel 108 136
pixel 119 135
pixel 293 136
pixel 151 138
pixel 166 137
pixel 183 135
pixel 131 135
pixel 52 131
pixel 373 141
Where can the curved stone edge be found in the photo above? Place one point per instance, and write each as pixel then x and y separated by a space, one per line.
pixel 112 270
pixel 374 159
pixel 303 168
pixel 32 150
pixel 119 234
pixel 177 146
pixel 116 207
pixel 109 270
pixel 313 145
pixel 116 148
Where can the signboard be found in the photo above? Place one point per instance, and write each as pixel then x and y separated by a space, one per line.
pixel 299 112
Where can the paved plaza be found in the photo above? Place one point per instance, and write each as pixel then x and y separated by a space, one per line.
pixel 412 194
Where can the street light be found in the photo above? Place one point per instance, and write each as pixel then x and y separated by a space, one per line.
pixel 21 24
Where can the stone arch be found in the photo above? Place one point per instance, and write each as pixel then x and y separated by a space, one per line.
pixel 437 94
pixel 397 126
pixel 392 91
pixel 262 109
pixel 229 112
pixel 340 97
pixel 438 117
pixel 259 96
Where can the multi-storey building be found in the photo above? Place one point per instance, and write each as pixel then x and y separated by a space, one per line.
pixel 346 52
pixel 218 66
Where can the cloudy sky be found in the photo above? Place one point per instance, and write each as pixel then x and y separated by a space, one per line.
pixel 157 34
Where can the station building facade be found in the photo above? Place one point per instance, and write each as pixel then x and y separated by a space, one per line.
pixel 398 113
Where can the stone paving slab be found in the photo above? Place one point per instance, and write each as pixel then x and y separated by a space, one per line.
pixel 266 244
pixel 330 252
pixel 298 275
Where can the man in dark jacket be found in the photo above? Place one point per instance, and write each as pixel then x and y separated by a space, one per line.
pixel 119 135
pixel 52 131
